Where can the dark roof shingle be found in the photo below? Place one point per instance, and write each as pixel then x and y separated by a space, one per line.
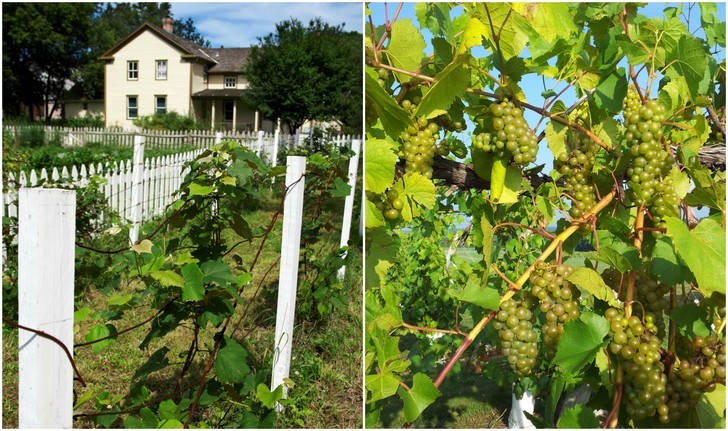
pixel 227 59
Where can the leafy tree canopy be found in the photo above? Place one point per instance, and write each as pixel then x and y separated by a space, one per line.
pixel 313 72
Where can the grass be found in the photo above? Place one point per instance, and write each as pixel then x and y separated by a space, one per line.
pixel 327 352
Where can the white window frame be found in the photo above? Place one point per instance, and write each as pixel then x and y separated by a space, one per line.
pixel 233 79
pixel 157 75
pixel 156 103
pixel 129 107
pixel 132 70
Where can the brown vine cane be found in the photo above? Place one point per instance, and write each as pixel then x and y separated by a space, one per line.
pixel 556 243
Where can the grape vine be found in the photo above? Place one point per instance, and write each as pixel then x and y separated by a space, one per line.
pixel 633 211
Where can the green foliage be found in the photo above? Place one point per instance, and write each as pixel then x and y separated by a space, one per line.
pixel 307 72
pixel 456 258
pixel 168 121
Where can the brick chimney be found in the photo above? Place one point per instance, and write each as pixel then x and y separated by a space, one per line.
pixel 168 24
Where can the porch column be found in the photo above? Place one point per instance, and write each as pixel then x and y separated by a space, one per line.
pixel 212 126
pixel 257 119
pixel 235 115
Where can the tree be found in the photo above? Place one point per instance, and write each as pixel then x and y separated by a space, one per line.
pixel 300 73
pixel 43 43
pixel 596 273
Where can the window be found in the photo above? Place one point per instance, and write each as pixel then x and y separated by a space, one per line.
pixel 132 70
pixel 204 75
pixel 85 106
pixel 228 107
pixel 161 104
pixel 161 69
pixel 132 109
pixel 231 82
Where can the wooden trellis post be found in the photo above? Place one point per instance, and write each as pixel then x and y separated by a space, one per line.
pixel 46 252
pixel 349 202
pixel 137 193
pixel 288 280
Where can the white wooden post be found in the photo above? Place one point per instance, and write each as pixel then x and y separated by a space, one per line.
pixel 259 150
pixel 517 419
pixel 218 137
pixel 288 279
pixel 136 189
pixel 46 250
pixel 349 202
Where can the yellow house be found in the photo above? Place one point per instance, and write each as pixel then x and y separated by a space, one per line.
pixel 153 70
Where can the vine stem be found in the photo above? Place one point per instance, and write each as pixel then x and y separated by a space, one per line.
pixel 556 243
pixel 53 339
pixel 423 329
pixel 628 300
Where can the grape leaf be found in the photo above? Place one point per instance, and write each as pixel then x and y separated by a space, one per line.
pixel 550 20
pixel 578 417
pixel 197 189
pixel 703 250
pixel 101 331
pixel 267 397
pixel 193 290
pixel 609 131
pixel 590 281
pixel 514 30
pixel 473 34
pixel 373 217
pixel 621 257
pixel 485 297
pixel 449 84
pixel 145 246
pixel 487 231
pixel 418 190
pixel 665 265
pixel 381 386
pixel 580 342
pixel 379 161
pixel 218 272
pixel 406 47
pixel 168 278
pixel 156 362
pixel 611 91
pixel 394 118
pixel 690 320
pixel 556 138
pixel 688 59
pixel 231 363
pixel 422 394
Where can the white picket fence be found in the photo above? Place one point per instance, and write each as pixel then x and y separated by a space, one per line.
pixel 161 179
pixel 80 136
pixel 45 259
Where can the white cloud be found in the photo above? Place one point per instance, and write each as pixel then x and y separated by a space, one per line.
pixel 240 24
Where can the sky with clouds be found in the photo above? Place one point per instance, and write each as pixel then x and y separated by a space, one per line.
pixel 240 24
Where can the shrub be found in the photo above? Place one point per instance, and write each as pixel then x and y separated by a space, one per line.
pixel 168 121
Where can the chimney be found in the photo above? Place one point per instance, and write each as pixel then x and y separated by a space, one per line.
pixel 168 24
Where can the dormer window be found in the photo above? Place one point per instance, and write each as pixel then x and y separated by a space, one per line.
pixel 161 69
pixel 132 70
pixel 231 82
pixel 204 74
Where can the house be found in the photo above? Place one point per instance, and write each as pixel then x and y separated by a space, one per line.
pixel 153 70
pixel 77 104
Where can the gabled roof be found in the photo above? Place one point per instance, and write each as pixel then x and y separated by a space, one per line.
pixel 189 49
pixel 227 59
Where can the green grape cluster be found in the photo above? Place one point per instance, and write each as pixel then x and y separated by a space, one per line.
pixel 634 342
pixel 654 297
pixel 558 299
pixel 419 141
pixel 389 203
pixel 694 376
pixel 519 341
pixel 507 134
pixel 648 172
pixel 576 167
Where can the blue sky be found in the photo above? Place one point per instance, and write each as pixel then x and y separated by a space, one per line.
pixel 533 85
pixel 239 24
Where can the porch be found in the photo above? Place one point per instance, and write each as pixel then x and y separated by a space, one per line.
pixel 224 109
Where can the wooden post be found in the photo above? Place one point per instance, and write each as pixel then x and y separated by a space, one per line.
pixel 137 193
pixel 288 280
pixel 274 156
pixel 259 150
pixel 46 251
pixel 349 202
pixel 218 137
